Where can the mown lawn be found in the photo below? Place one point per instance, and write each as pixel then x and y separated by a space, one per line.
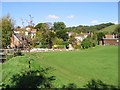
pixel 76 67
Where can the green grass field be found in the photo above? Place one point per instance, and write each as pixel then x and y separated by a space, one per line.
pixel 76 67
pixel 108 29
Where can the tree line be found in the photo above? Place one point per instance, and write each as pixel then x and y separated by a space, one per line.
pixel 47 36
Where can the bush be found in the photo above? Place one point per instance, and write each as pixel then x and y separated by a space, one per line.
pixel 18 53
pixel 58 41
pixel 33 79
pixel 58 46
pixel 43 46
pixel 77 46
pixel 70 86
pixel 99 85
pixel 88 42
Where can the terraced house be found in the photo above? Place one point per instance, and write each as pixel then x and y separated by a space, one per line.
pixel 111 40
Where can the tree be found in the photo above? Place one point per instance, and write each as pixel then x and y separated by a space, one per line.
pixel 88 42
pixel 59 26
pixel 33 79
pixel 70 86
pixel 100 36
pixel 42 26
pixel 49 36
pixel 44 34
pixel 72 39
pixel 117 30
pixel 7 24
pixel 99 85
pixel 57 41
pixel 62 34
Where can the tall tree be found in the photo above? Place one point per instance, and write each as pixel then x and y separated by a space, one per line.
pixel 42 26
pixel 100 36
pixel 62 34
pixel 59 26
pixel 45 34
pixel 7 25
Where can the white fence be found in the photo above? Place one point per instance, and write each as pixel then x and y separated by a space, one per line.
pixel 43 50
pixel 4 53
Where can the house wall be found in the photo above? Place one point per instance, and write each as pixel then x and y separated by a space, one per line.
pixel 111 42
pixel 14 42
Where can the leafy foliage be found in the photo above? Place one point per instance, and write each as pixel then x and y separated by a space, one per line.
pixel 86 43
pixel 90 41
pixel 99 85
pixel 100 36
pixel 117 30
pixel 70 86
pixel 57 41
pixel 59 26
pixel 31 79
pixel 42 26
pixel 44 35
pixel 86 29
pixel 62 34
pixel 7 24
pixel 58 47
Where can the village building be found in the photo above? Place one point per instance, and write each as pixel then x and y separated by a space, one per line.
pixel 79 38
pixel 18 39
pixel 110 40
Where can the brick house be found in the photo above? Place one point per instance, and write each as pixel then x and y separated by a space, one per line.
pixel 110 40
pixel 17 40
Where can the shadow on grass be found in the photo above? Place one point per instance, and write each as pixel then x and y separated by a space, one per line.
pixel 33 79
pixel 99 85
pixel 91 85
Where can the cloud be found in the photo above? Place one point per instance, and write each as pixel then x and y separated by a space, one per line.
pixel 71 16
pixel 53 17
pixel 94 22
pixel 116 22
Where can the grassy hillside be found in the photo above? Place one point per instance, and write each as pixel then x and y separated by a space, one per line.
pixel 71 67
pixel 108 29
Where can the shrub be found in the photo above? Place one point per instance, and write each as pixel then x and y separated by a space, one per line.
pixel 99 85
pixel 58 41
pixel 58 46
pixel 70 86
pixel 77 46
pixel 18 53
pixel 33 79
pixel 43 46
pixel 88 42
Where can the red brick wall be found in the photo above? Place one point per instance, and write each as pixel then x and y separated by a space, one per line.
pixel 110 42
pixel 14 42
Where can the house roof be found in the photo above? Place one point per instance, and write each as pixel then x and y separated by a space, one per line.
pixel 18 36
pixel 33 31
pixel 108 36
pixel 21 39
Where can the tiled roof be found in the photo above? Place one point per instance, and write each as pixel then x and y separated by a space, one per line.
pixel 19 36
pixel 21 39
pixel 108 36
